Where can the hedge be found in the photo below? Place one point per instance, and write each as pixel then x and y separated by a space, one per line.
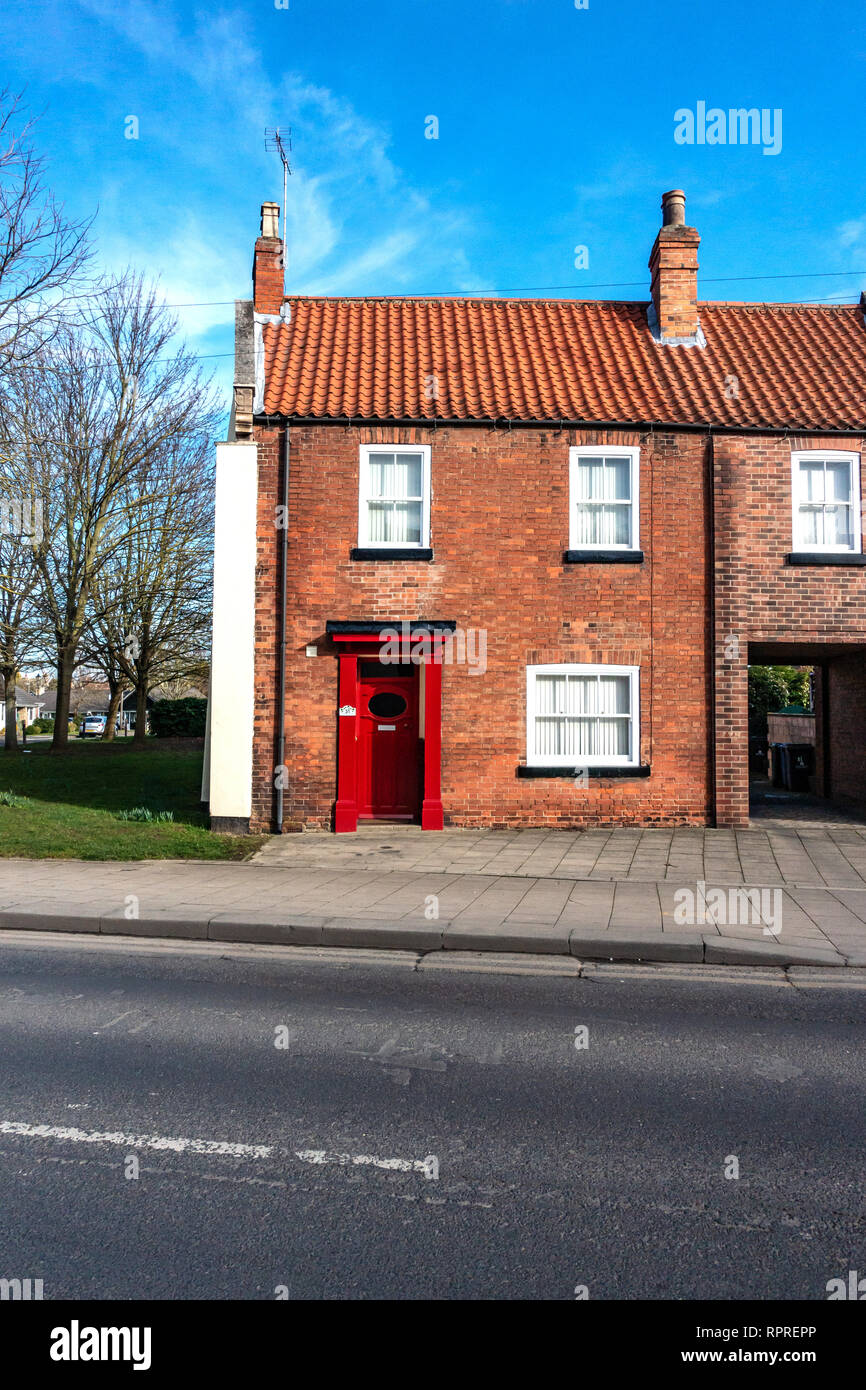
pixel 178 718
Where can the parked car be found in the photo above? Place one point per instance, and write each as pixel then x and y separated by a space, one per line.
pixel 92 726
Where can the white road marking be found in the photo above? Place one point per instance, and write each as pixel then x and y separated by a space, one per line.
pixel 397 1165
pixel 221 1147
pixel 119 1019
pixel 134 1141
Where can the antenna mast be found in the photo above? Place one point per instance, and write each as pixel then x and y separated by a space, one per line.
pixel 281 142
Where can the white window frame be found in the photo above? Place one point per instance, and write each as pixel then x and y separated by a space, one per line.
pixel 630 451
pixel 631 759
pixel 364 541
pixel 832 456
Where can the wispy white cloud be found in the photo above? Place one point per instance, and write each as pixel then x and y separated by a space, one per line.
pixel 853 233
pixel 184 207
pixel 352 220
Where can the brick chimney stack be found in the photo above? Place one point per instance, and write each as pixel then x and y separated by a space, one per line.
pixel 268 267
pixel 674 268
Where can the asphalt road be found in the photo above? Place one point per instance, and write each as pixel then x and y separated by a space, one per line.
pixel 558 1167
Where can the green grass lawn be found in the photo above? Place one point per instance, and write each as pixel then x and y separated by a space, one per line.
pixel 72 801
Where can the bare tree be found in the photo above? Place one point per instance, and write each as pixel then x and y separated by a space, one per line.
pixel 20 629
pixel 102 649
pixel 42 253
pixel 112 398
pixel 41 250
pixel 195 677
pixel 22 632
pixel 152 603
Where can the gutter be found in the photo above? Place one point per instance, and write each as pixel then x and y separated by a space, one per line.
pixel 284 557
pixel 503 422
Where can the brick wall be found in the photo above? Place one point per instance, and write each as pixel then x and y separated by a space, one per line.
pixel 847 692
pixel 499 529
pixel 268 275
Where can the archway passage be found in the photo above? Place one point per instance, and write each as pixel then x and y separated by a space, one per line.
pixel 816 771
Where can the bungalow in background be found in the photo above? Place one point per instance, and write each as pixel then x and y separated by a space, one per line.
pixel 28 707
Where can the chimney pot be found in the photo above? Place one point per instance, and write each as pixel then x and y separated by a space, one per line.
pixel 270 219
pixel 674 208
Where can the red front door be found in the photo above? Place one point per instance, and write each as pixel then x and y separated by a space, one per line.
pixel 387 741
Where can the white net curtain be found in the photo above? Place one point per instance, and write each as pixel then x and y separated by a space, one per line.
pixel 395 498
pixel 582 716
pixel 825 503
pixel 603 501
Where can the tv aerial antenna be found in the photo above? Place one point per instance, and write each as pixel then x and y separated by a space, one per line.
pixel 281 141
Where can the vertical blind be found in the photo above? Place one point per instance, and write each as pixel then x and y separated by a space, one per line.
pixel 582 716
pixel 825 503
pixel 603 501
pixel 395 495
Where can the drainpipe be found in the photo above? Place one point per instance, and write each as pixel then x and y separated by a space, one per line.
pixel 826 788
pixel 284 557
pixel 711 593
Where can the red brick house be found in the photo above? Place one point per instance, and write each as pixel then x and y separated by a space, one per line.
pixel 485 562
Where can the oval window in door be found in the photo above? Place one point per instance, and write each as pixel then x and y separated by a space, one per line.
pixel 387 704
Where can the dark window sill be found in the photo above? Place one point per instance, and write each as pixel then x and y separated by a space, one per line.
pixel 572 772
pixel 371 553
pixel 603 557
pixel 825 557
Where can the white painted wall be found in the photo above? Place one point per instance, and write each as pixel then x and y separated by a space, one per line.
pixel 229 758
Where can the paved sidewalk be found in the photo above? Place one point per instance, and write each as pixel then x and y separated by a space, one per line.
pixel 811 855
pixel 592 895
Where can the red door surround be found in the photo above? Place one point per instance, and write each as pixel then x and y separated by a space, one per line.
pixel 378 766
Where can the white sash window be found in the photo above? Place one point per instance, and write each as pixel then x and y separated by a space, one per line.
pixel 826 497
pixel 581 716
pixel 394 503
pixel 603 483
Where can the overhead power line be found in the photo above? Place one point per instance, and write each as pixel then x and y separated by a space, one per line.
pixel 468 294
pixel 543 289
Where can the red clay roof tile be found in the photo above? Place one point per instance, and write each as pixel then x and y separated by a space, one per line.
pixel 794 366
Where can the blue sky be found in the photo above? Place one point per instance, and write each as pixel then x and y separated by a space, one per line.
pixel 556 130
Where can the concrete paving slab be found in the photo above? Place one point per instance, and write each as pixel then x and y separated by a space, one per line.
pixel 545 888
